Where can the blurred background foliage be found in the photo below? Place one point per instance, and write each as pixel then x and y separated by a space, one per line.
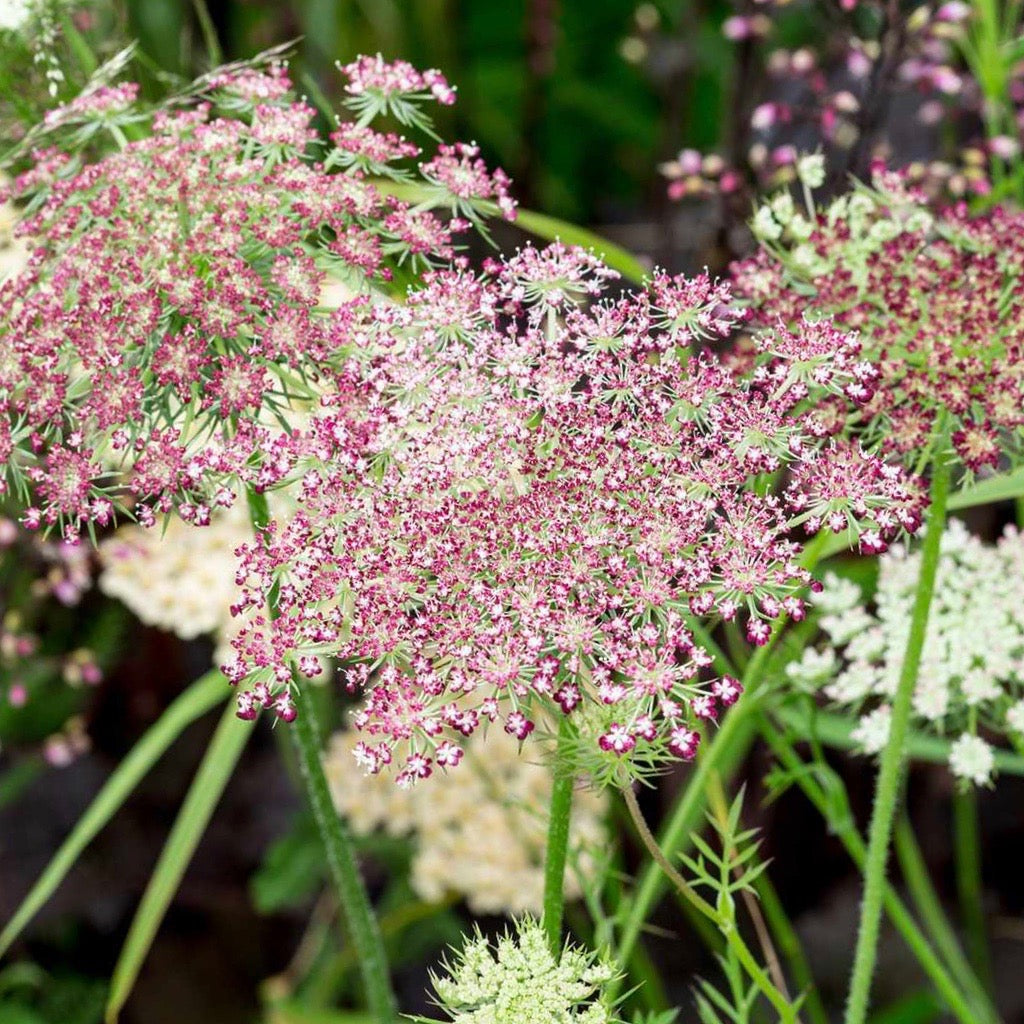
pixel 577 99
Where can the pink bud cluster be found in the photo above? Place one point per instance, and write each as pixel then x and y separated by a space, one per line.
pixel 516 503
pixel 824 94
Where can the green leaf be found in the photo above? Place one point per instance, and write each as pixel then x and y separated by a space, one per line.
pixel 1004 487
pixel 216 768
pixel 292 869
pixel 834 730
pixel 204 694
pixel 916 1008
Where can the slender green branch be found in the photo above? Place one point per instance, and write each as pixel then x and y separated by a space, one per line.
pixel 558 841
pixel 728 927
pixel 209 30
pixel 930 911
pixel 890 771
pixel 840 822
pixel 791 947
pixel 967 857
pixel 360 923
pixel 724 754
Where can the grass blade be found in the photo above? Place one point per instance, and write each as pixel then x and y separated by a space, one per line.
pixel 217 766
pixel 205 693
pixel 1003 487
pixel 541 225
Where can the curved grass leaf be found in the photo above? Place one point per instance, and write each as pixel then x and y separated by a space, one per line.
pixel 543 226
pixel 216 768
pixel 615 256
pixel 206 693
pixel 835 730
pixel 1004 487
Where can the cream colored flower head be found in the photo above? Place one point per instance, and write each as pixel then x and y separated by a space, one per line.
pixel 519 980
pixel 480 831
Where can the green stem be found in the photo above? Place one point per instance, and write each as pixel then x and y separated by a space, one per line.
pixel 726 751
pixel 840 823
pixel 209 30
pixel 890 771
pixel 929 909
pixel 360 924
pixel 558 840
pixel 790 947
pixel 726 926
pixel 967 857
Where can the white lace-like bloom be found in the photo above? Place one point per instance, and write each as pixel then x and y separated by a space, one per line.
pixel 520 981
pixel 14 13
pixel 181 578
pixel 971 758
pixel 972 666
pixel 480 832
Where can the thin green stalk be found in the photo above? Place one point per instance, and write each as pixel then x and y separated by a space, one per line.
pixel 967 857
pixel 790 947
pixel 727 927
pixel 929 909
pixel 209 30
pixel 360 923
pixel 558 841
pixel 724 754
pixel 841 824
pixel 890 771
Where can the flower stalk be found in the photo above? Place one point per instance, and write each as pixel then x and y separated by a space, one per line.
pixel 722 920
pixel 890 772
pixel 361 925
pixel 558 841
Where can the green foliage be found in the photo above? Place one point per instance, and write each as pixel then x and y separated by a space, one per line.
pixel 199 698
pixel 30 995
pixel 734 867
pixel 217 767
pixel 292 869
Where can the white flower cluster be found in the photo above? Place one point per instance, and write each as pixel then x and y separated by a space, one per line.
pixel 180 578
pixel 13 251
pixel 480 832
pixel 972 666
pixel 520 981
pixel 14 13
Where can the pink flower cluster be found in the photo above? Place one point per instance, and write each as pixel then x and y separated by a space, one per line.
pixel 169 321
pixel 938 304
pixel 516 502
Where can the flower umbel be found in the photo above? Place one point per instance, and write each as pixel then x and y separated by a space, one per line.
pixel 518 980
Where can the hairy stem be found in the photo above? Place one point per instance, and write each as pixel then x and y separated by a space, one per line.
pixel 357 912
pixel 967 857
pixel 558 841
pixel 832 805
pixel 890 772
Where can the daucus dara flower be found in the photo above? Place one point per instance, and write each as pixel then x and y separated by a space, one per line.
pixel 971 677
pixel 168 323
pixel 936 302
pixel 518 980
pixel 522 501
pixel 479 832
